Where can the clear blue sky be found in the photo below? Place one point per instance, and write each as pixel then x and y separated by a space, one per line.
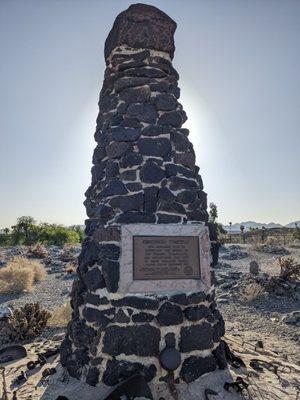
pixel 239 64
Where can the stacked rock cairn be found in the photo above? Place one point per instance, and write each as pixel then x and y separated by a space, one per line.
pixel 143 172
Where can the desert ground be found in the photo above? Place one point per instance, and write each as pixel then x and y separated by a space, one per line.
pixel 261 312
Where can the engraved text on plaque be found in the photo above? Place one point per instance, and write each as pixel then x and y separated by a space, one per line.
pixel 166 257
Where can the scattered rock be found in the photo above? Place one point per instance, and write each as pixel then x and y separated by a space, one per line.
pixel 254 267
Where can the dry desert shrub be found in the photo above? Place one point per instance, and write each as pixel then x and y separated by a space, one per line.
pixel 252 292
pixel 289 268
pixel 61 316
pixel 26 323
pixel 38 250
pixel 20 275
pixel 273 240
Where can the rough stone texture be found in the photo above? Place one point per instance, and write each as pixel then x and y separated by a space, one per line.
pixel 143 173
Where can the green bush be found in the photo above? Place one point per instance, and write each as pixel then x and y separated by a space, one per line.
pixel 28 232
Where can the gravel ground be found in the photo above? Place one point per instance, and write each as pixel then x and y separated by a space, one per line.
pixel 262 318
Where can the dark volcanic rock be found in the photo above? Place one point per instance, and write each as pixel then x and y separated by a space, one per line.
pixel 136 95
pixel 94 315
pixel 117 371
pixel 154 147
pixel 196 337
pixel 133 217
pixel 94 279
pixel 111 274
pixel 117 149
pixel 131 160
pixel 152 173
pixel 169 314
pixel 140 303
pixel 152 130
pixel 142 340
pixel 173 118
pixel 150 199
pixel 165 102
pixel 194 367
pixel 121 134
pixel 143 112
pixel 112 189
pixel 196 313
pixel 142 317
pixel 129 202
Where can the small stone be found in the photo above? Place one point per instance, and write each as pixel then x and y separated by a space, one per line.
pixel 194 367
pixel 196 337
pixel 140 303
pixel 117 371
pixel 108 103
pixel 116 149
pixel 140 340
pixel 131 122
pixel 131 81
pixel 173 118
pixel 186 159
pixel 173 169
pixel 96 316
pixel 179 299
pixel 128 175
pixel 165 102
pixel 131 160
pixel 254 267
pixel 122 134
pixel 180 141
pixel 154 147
pixel 95 299
pixel 112 169
pixel 152 130
pixel 186 196
pixel 136 94
pixel 142 317
pixel 93 279
pixel 220 356
pixel 196 313
pixel 143 112
pixel 128 202
pixel 133 217
pixel 166 195
pixel 113 188
pixel 196 298
pixel 151 173
pixel 121 317
pixel 150 199
pixel 134 186
pixel 111 274
pixel 169 314
pixel 168 218
pixel 178 183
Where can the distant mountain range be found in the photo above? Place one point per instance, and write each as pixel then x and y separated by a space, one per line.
pixel 252 224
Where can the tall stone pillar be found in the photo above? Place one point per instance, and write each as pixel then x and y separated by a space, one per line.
pixel 144 176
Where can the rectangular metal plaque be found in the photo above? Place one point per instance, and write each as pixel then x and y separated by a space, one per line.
pixel 166 257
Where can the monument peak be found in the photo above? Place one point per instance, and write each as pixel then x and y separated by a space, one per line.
pixel 142 26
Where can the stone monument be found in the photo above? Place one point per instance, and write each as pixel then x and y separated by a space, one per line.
pixel 143 301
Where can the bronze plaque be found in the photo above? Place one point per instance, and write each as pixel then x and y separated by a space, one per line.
pixel 166 257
